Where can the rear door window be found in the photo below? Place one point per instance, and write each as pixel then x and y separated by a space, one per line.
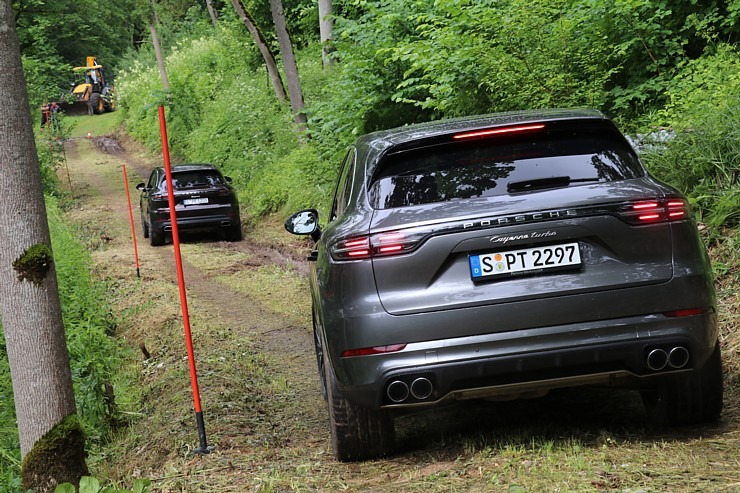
pixel 561 156
pixel 153 179
pixel 344 185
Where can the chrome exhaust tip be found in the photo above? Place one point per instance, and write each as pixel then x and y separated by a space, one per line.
pixel 678 357
pixel 421 388
pixel 657 359
pixel 397 391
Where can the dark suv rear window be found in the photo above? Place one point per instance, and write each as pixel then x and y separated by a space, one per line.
pixel 196 179
pixel 557 157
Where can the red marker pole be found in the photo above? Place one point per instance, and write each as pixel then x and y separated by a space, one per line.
pixel 131 220
pixel 203 448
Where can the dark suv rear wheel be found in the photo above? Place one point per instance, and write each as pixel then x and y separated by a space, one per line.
pixel 688 399
pixel 234 233
pixel 144 227
pixel 357 433
pixel 156 238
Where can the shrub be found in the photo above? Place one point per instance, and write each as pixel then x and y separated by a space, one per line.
pixel 703 159
pixel 296 181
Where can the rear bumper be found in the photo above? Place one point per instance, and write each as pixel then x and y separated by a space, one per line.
pixel 527 362
pixel 215 221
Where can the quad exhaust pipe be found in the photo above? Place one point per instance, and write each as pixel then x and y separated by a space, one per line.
pixel 399 391
pixel 421 388
pixel 676 358
pixel 657 359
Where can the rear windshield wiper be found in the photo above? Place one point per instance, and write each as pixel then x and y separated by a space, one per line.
pixel 544 183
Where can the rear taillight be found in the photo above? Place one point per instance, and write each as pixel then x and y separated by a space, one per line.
pixel 676 209
pixel 688 312
pixel 376 245
pixel 369 351
pixel 354 248
pixel 654 211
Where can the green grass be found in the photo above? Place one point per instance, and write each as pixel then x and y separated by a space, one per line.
pixel 97 125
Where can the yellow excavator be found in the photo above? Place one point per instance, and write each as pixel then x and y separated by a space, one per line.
pixel 95 95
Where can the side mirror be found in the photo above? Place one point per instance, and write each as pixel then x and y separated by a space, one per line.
pixel 141 187
pixel 228 179
pixel 305 222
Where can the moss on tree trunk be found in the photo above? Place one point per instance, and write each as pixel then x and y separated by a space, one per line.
pixel 58 457
pixel 34 264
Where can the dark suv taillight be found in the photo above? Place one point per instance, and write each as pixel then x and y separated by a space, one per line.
pixel 655 211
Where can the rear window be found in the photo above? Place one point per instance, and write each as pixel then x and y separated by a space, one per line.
pixel 553 158
pixel 196 179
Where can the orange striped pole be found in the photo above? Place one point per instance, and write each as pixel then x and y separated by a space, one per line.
pixel 131 220
pixel 203 448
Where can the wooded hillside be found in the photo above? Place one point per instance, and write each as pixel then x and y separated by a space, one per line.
pixel 650 65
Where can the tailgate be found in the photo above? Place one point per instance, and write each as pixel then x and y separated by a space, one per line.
pixel 438 274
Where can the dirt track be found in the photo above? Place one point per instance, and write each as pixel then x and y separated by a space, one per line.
pixel 261 400
pixel 227 314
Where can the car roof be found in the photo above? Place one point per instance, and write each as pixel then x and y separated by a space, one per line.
pixel 375 144
pixel 177 168
pixel 401 135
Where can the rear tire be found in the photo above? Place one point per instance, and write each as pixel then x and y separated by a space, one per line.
pixel 156 238
pixel 712 387
pixel 144 228
pixel 96 102
pixel 688 399
pixel 234 233
pixel 357 433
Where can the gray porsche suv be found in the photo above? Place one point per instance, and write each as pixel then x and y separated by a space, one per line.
pixel 504 256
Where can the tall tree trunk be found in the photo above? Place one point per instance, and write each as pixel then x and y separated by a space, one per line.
pixel 51 439
pixel 289 64
pixel 154 11
pixel 326 26
pixel 158 55
pixel 212 12
pixel 259 40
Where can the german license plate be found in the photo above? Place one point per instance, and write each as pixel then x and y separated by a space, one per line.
pixel 524 260
pixel 200 200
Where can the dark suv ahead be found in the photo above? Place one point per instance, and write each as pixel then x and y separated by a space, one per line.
pixel 204 200
pixel 505 256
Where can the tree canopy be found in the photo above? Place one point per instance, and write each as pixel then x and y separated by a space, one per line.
pixel 56 36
